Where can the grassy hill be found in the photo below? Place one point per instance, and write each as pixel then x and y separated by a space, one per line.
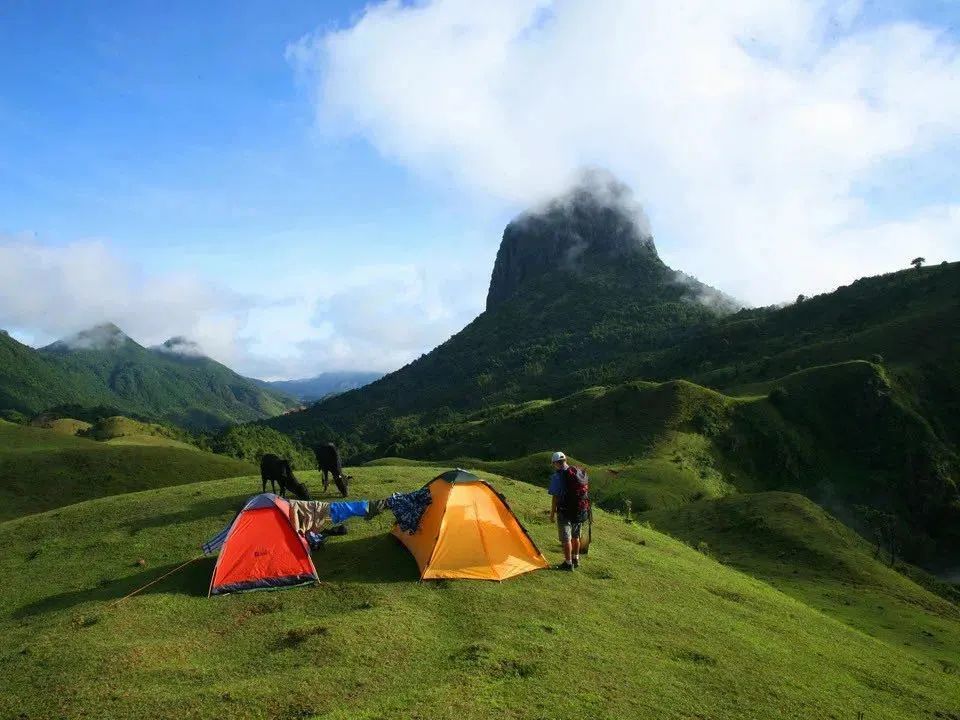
pixel 654 628
pixel 657 482
pixel 42 469
pixel 105 367
pixel 121 430
pixel 845 435
pixel 789 542
pixel 63 425
pixel 538 344
pixel 660 630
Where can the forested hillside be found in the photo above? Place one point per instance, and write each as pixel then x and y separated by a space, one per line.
pixel 104 367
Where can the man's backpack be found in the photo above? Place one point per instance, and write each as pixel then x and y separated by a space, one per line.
pixel 575 500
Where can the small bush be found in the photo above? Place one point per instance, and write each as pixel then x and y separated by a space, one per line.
pixel 14 416
pixel 778 397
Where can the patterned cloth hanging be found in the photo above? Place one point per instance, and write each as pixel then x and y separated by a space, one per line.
pixel 408 508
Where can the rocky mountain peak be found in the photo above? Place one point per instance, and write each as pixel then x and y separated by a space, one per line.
pixel 105 336
pixel 596 223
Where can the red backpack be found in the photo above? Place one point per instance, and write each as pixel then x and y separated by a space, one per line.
pixel 575 500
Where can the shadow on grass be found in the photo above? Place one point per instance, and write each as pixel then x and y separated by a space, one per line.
pixel 193 580
pixel 372 559
pixel 200 510
pixel 225 507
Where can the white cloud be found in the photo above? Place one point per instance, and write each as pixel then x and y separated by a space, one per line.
pixel 371 317
pixel 367 318
pixel 391 314
pixel 55 291
pixel 746 127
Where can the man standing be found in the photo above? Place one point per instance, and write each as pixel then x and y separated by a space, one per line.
pixel 568 493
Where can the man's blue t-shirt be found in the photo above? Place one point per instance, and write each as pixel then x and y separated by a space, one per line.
pixel 557 483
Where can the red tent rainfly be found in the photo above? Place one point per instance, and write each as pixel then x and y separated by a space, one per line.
pixel 260 550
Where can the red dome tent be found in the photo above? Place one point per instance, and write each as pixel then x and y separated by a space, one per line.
pixel 260 550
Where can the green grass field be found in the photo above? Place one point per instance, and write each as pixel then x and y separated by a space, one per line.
pixel 647 628
pixel 42 469
pixel 794 545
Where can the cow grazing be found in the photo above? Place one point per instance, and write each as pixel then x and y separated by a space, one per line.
pixel 278 471
pixel 328 461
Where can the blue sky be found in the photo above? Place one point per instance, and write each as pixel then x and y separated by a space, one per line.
pixel 306 186
pixel 176 127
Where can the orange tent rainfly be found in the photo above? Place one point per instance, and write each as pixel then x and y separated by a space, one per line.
pixel 259 550
pixel 468 531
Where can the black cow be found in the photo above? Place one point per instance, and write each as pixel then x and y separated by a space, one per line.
pixel 328 461
pixel 278 471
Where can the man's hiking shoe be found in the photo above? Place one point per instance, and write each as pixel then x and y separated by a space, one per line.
pixel 375 507
pixel 565 566
pixel 576 562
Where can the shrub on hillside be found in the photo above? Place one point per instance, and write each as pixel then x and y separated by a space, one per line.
pixel 120 425
pixel 93 415
pixel 778 397
pixel 14 416
pixel 252 442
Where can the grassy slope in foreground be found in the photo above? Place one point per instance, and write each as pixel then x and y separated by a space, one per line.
pixel 652 628
pixel 42 469
pixel 796 546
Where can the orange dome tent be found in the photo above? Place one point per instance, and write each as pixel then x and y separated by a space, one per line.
pixel 469 532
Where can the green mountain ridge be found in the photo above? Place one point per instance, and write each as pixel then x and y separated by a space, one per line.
pixel 605 334
pixel 104 367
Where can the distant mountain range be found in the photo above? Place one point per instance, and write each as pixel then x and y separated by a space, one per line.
pixel 102 366
pixel 323 385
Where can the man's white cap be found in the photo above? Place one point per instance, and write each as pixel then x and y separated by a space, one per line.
pixel 558 457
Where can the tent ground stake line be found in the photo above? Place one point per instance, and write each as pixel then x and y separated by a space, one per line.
pixel 153 582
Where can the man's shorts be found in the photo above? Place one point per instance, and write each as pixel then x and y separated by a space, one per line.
pixel 567 529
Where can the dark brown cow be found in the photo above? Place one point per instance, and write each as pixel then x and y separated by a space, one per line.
pixel 328 461
pixel 278 471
